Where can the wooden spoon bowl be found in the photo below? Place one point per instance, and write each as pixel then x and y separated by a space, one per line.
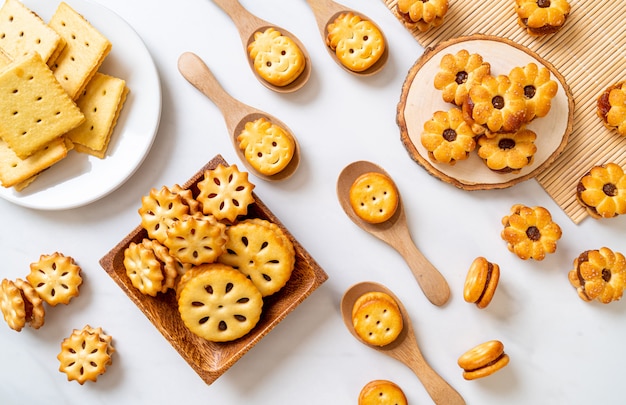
pixel 404 348
pixel 247 25
pixel 395 233
pixel 236 114
pixel 326 11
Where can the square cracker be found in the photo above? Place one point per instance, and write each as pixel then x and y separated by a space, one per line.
pixel 20 172
pixel 85 49
pixel 34 108
pixel 22 31
pixel 101 102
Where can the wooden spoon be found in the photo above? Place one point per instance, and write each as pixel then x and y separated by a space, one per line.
pixel 248 24
pixel 326 11
pixel 395 233
pixel 236 114
pixel 404 348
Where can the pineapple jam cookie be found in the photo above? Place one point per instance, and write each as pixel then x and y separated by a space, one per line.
pixel 276 57
pixel 496 104
pixel 56 278
pixel 374 197
pixel 382 392
pixel 377 318
pixel 458 73
pixel 159 210
pixel 266 146
pixel 196 239
pixel 602 191
pixel 539 89
pixel 21 305
pixel 599 274
pixel 358 43
pixel 447 137
pixel 424 14
pixel 260 250
pixel 225 192
pixel 481 282
pixel 218 303
pixel 143 268
pixel 507 152
pixel 85 354
pixel 483 360
pixel 529 232
pixel 540 17
pixel 611 107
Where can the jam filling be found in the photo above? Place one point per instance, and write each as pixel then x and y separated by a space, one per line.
pixel 610 189
pixel 491 363
pixel 606 275
pixel 497 102
pixel 461 77
pixel 506 143
pixel 530 91
pixel 603 104
pixel 449 135
pixel 533 233
pixel 543 3
pixel 487 281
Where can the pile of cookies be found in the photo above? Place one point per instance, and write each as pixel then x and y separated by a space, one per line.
pixel 220 262
pixel 488 113
pixel 53 97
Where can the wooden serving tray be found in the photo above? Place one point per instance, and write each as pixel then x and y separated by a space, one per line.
pixel 420 99
pixel 588 51
pixel 209 359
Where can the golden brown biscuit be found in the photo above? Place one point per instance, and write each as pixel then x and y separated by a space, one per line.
pixel 529 232
pixel 85 354
pixel 540 17
pixel 143 269
pixel 483 360
pixel 276 57
pixel 196 239
pixel 611 107
pixel 539 89
pixel 170 267
pixel 377 318
pixel 218 303
pixel 358 43
pixel 424 14
pixel 382 392
pixel 56 278
pixel 267 147
pixel 225 192
pixel 507 152
pixel 159 210
pixel 599 274
pixel 374 197
pixel 481 282
pixel 458 73
pixel 602 191
pixel 33 304
pixel 12 305
pixel 261 251
pixel 447 137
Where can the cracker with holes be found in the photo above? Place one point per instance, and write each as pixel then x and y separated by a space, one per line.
pixel 22 31
pixel 196 239
pixel 276 57
pixel 85 49
pixel 374 197
pixel 21 305
pixel 377 318
pixel 358 43
pixel 101 102
pixel 159 209
pixel 56 278
pixel 34 108
pixel 85 354
pixel 260 250
pixel 267 146
pixel 218 303
pixel 225 192
pixel 143 268
pixel 14 171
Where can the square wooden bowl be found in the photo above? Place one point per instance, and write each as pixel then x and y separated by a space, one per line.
pixel 210 359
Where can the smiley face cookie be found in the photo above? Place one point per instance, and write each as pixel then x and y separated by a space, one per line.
pixel 374 197
pixel 358 43
pixel 277 58
pixel 382 392
pixel 376 318
pixel 267 147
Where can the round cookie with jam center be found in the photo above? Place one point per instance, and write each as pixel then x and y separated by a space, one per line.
pixel 374 197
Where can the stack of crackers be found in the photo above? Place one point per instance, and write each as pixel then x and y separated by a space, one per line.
pixel 52 97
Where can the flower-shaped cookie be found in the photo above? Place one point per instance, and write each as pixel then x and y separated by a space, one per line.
pixel 56 278
pixel 447 137
pixel 85 354
pixel 602 191
pixel 541 17
pixel 423 13
pixel 458 73
pixel 225 192
pixel 529 232
pixel 599 275
pixel 508 152
pixel 612 107
pixel 497 104
pixel 159 210
pixel 539 89
pixel 357 43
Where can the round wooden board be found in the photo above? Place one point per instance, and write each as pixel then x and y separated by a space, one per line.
pixel 419 100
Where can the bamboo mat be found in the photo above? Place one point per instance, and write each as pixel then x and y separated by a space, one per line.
pixel 589 51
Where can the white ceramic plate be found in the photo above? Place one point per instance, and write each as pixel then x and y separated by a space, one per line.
pixel 81 179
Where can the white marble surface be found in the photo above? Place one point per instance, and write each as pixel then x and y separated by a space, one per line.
pixel 562 349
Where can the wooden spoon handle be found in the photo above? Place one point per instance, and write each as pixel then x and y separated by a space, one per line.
pixel 439 390
pixel 323 11
pixel 430 280
pixel 246 22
